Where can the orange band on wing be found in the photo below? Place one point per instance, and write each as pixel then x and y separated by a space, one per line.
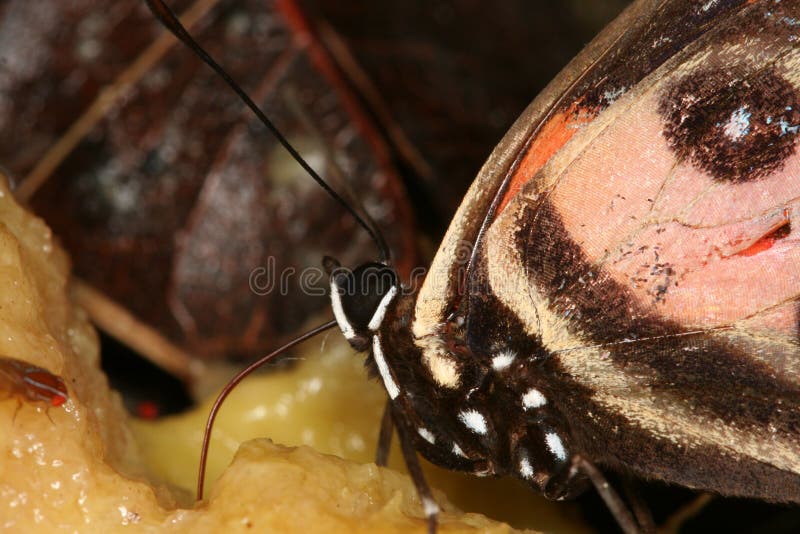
pixel 553 135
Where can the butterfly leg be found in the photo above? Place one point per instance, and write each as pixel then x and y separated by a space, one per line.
pixel 429 505
pixel 16 410
pixel 638 506
pixel 47 413
pixel 615 504
pixel 385 437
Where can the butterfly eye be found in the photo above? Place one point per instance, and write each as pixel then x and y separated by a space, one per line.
pixel 363 290
pixel 736 126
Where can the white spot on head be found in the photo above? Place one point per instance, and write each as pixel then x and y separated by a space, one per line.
pixel 556 446
pixel 442 367
pixel 383 369
pixel 429 506
pixel 525 467
pixel 503 360
pixel 380 312
pixel 338 312
pixel 533 398
pixel 426 434
pixel 457 450
pixel 473 420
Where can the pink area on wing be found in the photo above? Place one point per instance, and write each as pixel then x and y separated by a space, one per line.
pixel 694 250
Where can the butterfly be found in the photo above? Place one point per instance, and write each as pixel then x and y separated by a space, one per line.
pixel 627 300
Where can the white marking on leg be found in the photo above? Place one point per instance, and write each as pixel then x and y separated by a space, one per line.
pixel 525 467
pixel 338 312
pixel 457 450
pixel 503 360
pixel 430 507
pixel 380 312
pixel 533 398
pixel 473 420
pixel 427 435
pixel 383 369
pixel 482 473
pixel 556 446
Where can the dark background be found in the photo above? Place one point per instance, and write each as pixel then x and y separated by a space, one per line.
pixel 440 82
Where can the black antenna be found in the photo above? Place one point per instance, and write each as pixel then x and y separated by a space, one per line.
pixel 171 22
pixel 201 475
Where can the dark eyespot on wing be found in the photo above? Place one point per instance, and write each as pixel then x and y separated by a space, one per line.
pixel 672 27
pixel 735 128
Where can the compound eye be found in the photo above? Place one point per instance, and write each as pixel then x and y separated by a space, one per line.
pixel 362 291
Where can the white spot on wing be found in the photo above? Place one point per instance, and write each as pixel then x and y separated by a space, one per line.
pixel 473 420
pixel 738 125
pixel 457 451
pixel 380 313
pixel 383 369
pixel 533 398
pixel 556 446
pixel 503 360
pixel 338 312
pixel 426 435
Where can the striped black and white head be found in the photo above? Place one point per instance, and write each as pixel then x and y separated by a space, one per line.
pixel 360 298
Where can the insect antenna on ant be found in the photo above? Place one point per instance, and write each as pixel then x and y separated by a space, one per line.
pixel 171 22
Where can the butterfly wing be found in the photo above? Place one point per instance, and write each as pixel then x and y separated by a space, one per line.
pixel 638 229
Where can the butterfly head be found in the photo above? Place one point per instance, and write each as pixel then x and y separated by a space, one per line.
pixel 360 298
